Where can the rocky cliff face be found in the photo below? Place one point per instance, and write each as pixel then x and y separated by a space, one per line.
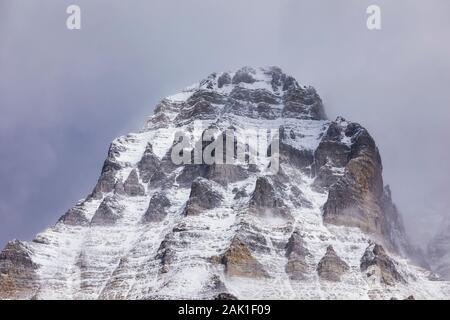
pixel 323 226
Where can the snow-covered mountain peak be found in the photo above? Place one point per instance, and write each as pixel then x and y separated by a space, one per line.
pixel 256 93
pixel 323 226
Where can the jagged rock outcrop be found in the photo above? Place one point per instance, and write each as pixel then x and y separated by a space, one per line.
pixel 331 267
pixel 244 75
pixel 18 278
pixel 375 262
pixel 223 80
pixel 297 265
pixel 74 217
pixel 132 186
pixel 239 193
pixel 265 195
pixel 157 209
pixel 303 103
pixel 348 164
pixel 222 172
pixel 107 180
pixel 204 196
pixel 149 164
pixel 332 154
pixel 266 200
pixel 354 198
pixel 298 198
pixel 300 158
pixel 107 213
pixel 239 262
pixel 166 255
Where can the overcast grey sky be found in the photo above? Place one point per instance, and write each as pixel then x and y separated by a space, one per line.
pixel 64 95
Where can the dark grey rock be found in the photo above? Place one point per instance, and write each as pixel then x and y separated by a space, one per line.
pixel 148 165
pixel 157 209
pixel 107 213
pixel 331 152
pixel 289 83
pixel 267 111
pixel 254 96
pixel 303 103
pixel 202 197
pixel 240 194
pixel 376 256
pixel 223 80
pixel 297 266
pixel 289 154
pixel 298 199
pixel 243 75
pixel 107 179
pixel 267 199
pixel 166 255
pixel 201 110
pixel 212 97
pixel 265 195
pixel 74 217
pixel 225 296
pixel 132 187
pixel 222 173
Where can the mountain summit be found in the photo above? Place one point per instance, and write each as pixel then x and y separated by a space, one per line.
pixel 321 226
